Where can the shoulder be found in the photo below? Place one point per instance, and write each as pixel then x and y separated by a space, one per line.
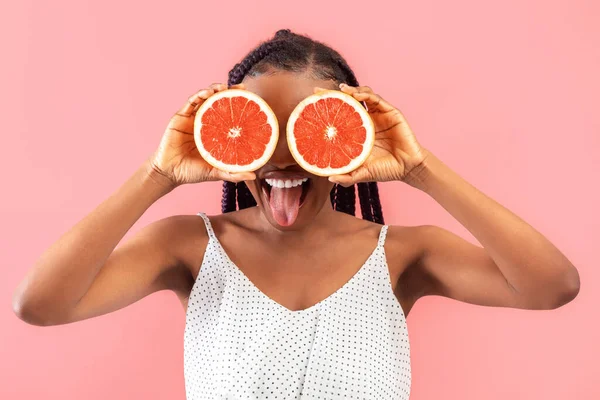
pixel 418 235
pixel 184 237
pixel 171 229
pixel 410 243
pixel 417 232
pixel 233 222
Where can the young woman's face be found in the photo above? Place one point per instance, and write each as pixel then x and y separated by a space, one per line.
pixel 295 207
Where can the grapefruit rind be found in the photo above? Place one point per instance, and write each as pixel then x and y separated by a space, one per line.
pixel 271 119
pixel 367 124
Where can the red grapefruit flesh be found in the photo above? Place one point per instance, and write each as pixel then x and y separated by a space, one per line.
pixel 330 133
pixel 236 131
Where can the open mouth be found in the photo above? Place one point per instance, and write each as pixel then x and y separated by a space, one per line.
pixel 268 185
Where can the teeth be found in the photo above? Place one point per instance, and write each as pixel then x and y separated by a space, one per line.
pixel 285 183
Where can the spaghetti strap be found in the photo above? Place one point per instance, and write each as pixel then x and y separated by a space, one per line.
pixel 209 229
pixel 382 236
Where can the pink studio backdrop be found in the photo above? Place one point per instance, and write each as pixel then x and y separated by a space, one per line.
pixel 504 92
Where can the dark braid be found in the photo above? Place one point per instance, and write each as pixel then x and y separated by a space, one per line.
pixel 288 51
pixel 228 200
pixel 351 78
pixel 239 72
pixel 365 205
pixel 245 198
pixel 345 199
pixel 332 195
pixel 374 194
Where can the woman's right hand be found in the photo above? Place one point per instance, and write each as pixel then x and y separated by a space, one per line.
pixel 177 160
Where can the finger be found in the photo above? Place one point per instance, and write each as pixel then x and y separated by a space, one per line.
pixel 240 86
pixel 355 89
pixel 235 176
pixel 319 89
pixel 364 89
pixel 218 87
pixel 358 175
pixel 374 102
pixel 348 89
pixel 344 180
pixel 194 102
pixel 242 176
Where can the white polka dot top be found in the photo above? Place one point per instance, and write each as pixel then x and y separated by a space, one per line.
pixel 241 344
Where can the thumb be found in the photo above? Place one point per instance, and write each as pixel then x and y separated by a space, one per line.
pixel 345 180
pixel 238 176
pixel 361 174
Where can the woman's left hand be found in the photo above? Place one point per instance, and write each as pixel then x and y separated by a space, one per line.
pixel 396 151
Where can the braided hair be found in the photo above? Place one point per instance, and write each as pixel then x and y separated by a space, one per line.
pixel 288 51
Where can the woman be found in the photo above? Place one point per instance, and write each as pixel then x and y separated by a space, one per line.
pixel 289 296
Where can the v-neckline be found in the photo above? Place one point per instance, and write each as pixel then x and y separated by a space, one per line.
pixel 282 307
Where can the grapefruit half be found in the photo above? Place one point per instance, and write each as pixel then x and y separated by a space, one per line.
pixel 330 133
pixel 236 131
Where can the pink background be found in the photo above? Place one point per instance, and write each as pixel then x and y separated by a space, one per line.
pixel 504 92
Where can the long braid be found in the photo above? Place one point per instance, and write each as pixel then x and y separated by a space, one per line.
pixel 244 196
pixel 292 52
pixel 332 195
pixel 365 203
pixel 228 199
pixel 375 203
pixel 345 199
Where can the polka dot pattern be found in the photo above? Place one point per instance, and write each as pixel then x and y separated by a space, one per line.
pixel 240 344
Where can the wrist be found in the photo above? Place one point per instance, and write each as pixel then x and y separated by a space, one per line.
pixel 153 176
pixel 421 176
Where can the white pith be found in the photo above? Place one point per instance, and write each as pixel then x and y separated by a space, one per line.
pixel 330 134
pixel 285 183
pixel 236 131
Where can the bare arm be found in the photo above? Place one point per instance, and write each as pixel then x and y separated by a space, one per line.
pixel 516 267
pixel 82 274
pixel 56 289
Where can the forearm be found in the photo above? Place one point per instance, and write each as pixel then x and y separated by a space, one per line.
pixel 65 271
pixel 528 260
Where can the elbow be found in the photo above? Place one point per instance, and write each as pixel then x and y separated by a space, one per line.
pixel 571 285
pixel 21 309
pixel 551 293
pixel 565 289
pixel 26 310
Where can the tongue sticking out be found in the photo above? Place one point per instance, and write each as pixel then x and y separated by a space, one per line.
pixel 285 203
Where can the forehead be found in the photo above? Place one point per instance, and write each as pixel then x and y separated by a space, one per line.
pixel 284 90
